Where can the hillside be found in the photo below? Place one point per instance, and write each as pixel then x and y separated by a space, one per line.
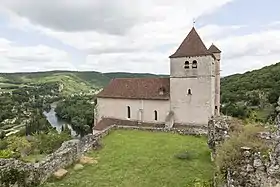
pixel 241 94
pixel 256 90
pixel 72 81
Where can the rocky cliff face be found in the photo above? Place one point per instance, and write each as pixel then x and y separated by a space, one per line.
pixel 256 169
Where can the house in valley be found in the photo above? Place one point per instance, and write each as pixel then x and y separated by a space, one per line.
pixel 189 96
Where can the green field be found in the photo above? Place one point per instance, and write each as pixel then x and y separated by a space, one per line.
pixel 143 159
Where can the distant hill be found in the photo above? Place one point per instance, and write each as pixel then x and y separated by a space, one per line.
pixel 241 94
pixel 73 81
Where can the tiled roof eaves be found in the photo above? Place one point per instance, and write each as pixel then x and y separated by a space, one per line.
pixel 134 98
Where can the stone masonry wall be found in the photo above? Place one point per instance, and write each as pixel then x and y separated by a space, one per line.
pixel 37 173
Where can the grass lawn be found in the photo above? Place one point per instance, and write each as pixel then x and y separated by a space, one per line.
pixel 143 159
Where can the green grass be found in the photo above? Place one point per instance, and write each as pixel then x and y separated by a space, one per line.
pixel 143 159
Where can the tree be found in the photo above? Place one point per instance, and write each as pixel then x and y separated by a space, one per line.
pixel 2 134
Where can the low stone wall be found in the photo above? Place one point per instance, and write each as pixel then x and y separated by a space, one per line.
pixel 191 130
pixel 17 173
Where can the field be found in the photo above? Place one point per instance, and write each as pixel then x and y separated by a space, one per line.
pixel 143 159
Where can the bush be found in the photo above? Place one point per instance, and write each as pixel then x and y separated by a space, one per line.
pixel 48 143
pixel 3 144
pixel 185 155
pixel 19 145
pixel 229 154
pixel 2 134
pixel 6 154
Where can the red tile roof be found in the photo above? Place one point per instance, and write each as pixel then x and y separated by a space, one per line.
pixel 137 88
pixel 191 46
pixel 214 49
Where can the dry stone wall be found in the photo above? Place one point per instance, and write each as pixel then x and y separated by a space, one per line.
pixel 192 130
pixel 15 173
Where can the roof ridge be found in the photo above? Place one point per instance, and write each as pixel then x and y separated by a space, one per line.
pixel 214 49
pixel 192 45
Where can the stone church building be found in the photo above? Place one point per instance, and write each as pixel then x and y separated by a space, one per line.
pixel 190 96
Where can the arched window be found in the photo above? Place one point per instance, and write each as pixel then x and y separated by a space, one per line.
pixel 187 65
pixel 189 92
pixel 194 64
pixel 128 112
pixel 155 115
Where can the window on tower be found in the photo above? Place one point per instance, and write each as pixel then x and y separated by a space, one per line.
pixel 187 65
pixel 189 92
pixel 194 64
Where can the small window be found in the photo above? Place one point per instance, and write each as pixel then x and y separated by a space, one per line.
pixel 187 65
pixel 216 107
pixel 194 64
pixel 162 91
pixel 128 112
pixel 189 92
pixel 155 115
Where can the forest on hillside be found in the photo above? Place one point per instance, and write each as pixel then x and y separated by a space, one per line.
pixel 252 94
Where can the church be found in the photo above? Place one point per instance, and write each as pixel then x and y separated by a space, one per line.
pixel 189 96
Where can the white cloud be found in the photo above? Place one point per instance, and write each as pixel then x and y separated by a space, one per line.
pixel 31 58
pixel 158 28
pixel 135 36
pixel 251 51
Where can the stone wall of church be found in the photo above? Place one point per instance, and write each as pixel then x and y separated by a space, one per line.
pixel 139 109
pixel 197 107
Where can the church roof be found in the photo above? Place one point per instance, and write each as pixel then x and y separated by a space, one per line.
pixel 213 49
pixel 137 88
pixel 191 46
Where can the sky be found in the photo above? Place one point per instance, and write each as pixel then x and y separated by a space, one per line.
pixel 134 36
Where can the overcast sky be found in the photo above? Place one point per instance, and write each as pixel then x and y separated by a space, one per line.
pixel 134 35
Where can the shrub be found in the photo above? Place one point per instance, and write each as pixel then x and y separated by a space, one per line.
pixel 6 154
pixel 3 144
pixel 186 155
pixel 229 154
pixel 2 134
pixel 48 143
pixel 19 145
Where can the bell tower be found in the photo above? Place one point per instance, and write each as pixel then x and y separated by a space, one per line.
pixel 194 82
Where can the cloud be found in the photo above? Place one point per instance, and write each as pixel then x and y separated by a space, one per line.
pixel 251 51
pixel 111 16
pixel 135 36
pixel 31 58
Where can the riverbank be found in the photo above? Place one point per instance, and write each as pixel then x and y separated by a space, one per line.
pixel 55 122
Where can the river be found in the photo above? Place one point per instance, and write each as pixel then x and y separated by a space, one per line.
pixel 55 121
